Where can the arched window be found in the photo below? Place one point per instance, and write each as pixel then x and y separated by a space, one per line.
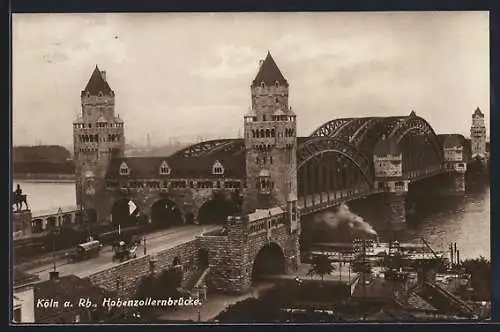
pixel 124 170
pixel 262 133
pixel 273 133
pixel 268 133
pixel 277 84
pixel 91 138
pixel 262 84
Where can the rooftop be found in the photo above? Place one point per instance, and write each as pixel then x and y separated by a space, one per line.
pixel 65 288
pixel 21 278
pixel 269 73
pixel 97 84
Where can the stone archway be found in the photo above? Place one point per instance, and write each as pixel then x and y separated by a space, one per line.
pixel 51 223
pixel 91 215
pixel 66 220
pixel 269 260
pixel 203 258
pixel 216 211
pixel 165 213
pixel 37 226
pixel 121 214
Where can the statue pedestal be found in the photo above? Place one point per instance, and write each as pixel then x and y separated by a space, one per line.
pixel 21 223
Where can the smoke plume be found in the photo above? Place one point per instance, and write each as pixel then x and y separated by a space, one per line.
pixel 338 225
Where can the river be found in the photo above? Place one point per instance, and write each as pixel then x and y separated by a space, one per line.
pixel 464 220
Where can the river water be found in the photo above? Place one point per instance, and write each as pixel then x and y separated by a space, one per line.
pixel 464 220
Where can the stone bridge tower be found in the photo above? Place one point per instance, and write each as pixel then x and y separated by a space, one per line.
pixel 98 136
pixel 478 135
pixel 270 141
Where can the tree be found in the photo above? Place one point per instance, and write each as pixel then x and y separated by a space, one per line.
pixel 321 266
pixel 168 282
pixel 147 288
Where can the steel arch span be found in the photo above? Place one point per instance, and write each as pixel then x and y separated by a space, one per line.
pixel 328 129
pixel 199 149
pixel 313 148
pixel 347 131
pixel 416 124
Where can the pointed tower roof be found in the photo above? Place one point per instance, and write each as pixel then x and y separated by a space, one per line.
pixel 97 84
pixel 478 112
pixel 269 73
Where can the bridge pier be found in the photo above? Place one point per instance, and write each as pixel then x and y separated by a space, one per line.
pixel 395 211
pixel 21 223
pixel 457 184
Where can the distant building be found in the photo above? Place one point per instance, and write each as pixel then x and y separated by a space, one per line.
pixel 23 298
pixel 50 296
pixel 478 135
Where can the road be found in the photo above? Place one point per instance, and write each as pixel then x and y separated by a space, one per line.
pixel 154 243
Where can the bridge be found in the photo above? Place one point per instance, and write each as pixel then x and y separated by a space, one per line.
pixel 254 191
pixel 27 222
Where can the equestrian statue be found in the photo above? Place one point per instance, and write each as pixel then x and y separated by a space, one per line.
pixel 19 199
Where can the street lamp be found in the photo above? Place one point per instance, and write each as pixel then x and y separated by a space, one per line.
pixel 59 217
pixel 54 234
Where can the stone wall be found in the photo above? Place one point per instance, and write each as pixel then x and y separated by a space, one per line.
pixel 188 200
pixel 231 258
pixel 21 223
pixel 125 277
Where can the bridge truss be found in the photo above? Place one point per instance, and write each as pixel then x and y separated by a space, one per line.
pixel 338 156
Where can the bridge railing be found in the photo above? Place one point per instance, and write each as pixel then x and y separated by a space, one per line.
pixel 266 220
pixel 319 198
pixel 54 211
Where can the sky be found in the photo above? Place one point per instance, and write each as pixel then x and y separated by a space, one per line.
pixel 186 76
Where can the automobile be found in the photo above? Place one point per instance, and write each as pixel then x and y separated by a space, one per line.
pixel 124 252
pixel 84 251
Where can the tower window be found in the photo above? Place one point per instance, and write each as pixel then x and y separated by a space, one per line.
pixel 124 170
pixel 262 84
pixel 277 84
pixel 164 169
pixel 217 168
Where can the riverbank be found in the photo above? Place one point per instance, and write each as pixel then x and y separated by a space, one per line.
pixel 44 178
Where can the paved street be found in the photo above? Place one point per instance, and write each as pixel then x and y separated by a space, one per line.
pixel 154 243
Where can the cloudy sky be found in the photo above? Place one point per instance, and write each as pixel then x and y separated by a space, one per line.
pixel 182 76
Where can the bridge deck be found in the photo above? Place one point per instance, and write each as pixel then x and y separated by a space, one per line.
pixel 49 212
pixel 316 203
pixel 155 242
